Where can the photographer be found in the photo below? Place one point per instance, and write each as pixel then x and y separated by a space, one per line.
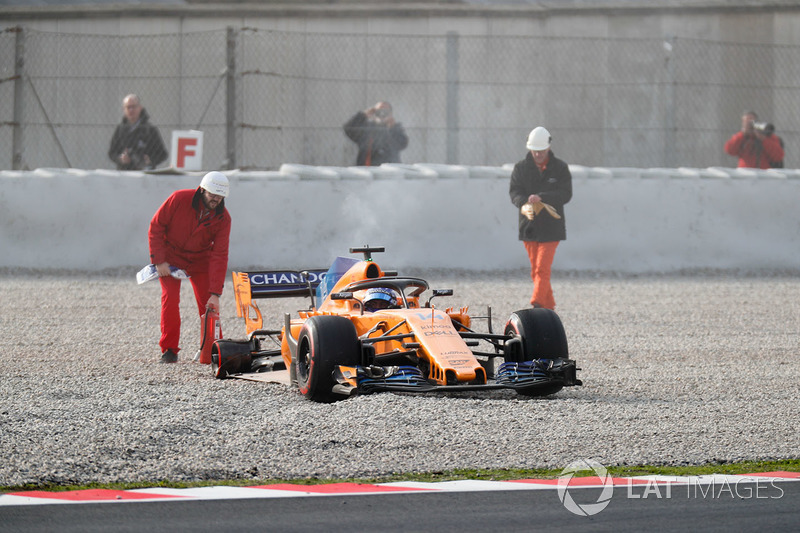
pixel 756 144
pixel 136 144
pixel 378 136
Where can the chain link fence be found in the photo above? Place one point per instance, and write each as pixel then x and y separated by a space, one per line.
pixel 265 97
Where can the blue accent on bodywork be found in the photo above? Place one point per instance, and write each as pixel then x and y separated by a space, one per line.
pixel 399 376
pixel 338 269
pixel 517 373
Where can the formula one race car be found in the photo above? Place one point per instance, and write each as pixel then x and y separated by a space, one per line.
pixel 370 330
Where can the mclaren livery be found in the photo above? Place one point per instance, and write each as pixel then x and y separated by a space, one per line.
pixel 370 330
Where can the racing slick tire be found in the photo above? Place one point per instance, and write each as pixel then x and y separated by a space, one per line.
pixel 324 343
pixel 230 357
pixel 543 337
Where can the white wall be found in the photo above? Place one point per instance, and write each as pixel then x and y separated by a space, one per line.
pixel 739 21
pixel 626 220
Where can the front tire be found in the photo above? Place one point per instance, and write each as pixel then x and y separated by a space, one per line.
pixel 324 343
pixel 542 334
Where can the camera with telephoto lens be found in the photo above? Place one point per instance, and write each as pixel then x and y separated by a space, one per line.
pixel 764 128
pixel 137 160
pixel 382 112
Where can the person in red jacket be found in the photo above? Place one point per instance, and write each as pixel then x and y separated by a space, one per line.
pixel 191 230
pixel 754 147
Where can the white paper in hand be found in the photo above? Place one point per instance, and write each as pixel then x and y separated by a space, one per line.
pixel 149 272
pixel 178 273
pixel 146 274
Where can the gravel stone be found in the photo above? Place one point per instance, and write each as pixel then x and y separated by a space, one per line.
pixel 678 369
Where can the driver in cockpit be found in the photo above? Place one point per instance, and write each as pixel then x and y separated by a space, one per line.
pixel 378 298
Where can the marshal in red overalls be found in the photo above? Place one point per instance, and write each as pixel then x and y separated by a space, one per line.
pixel 191 230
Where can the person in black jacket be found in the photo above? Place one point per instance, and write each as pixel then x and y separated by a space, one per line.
pixel 378 136
pixel 540 186
pixel 136 144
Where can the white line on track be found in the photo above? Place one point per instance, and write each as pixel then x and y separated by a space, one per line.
pixel 351 489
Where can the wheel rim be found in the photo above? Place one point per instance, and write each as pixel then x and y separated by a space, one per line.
pixel 303 361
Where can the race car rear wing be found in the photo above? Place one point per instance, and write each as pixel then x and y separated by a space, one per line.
pixel 248 286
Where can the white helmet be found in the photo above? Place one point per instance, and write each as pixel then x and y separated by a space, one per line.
pixel 539 139
pixel 216 183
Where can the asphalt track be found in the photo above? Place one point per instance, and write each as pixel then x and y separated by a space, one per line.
pixel 718 504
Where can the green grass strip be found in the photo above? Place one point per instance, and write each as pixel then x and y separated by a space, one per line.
pixel 790 465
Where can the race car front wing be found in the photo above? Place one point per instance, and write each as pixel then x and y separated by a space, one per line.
pixel 534 378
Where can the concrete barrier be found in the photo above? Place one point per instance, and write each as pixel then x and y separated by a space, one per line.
pixel 624 220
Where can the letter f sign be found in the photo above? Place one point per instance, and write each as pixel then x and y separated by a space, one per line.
pixel 187 150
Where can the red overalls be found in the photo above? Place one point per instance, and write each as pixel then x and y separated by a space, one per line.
pixel 184 234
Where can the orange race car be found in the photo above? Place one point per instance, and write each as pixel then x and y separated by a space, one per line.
pixel 370 330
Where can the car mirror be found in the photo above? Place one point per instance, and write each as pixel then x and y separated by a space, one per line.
pixel 439 292
pixel 341 295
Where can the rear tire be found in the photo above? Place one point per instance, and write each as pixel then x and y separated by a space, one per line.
pixel 230 357
pixel 543 337
pixel 324 343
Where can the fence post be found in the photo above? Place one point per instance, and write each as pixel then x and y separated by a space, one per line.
pixel 670 159
pixel 19 79
pixel 230 100
pixel 452 97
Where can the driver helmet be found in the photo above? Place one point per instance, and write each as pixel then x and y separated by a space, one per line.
pixel 380 298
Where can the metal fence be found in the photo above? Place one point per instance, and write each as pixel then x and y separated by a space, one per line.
pixel 265 97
